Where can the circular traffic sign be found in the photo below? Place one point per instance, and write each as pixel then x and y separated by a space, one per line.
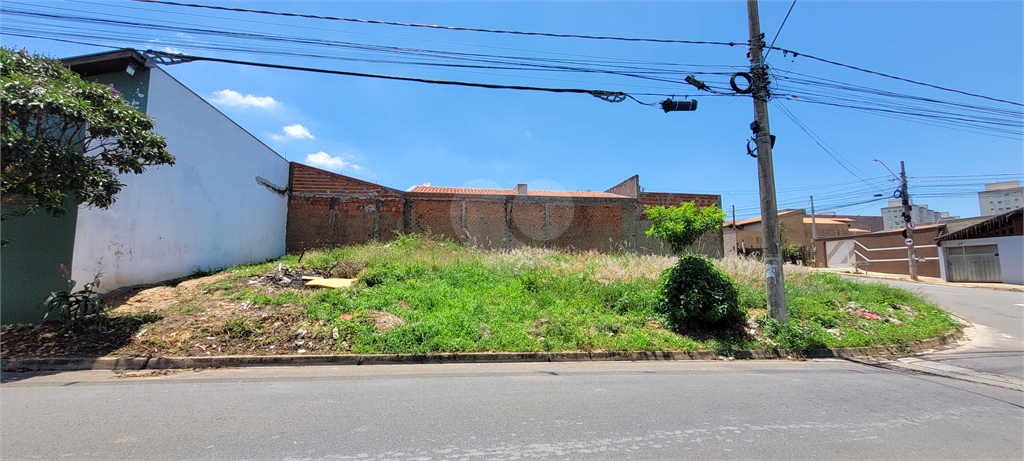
pixel 909 241
pixel 911 225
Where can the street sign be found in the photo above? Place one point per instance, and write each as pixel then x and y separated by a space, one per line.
pixel 911 225
pixel 909 242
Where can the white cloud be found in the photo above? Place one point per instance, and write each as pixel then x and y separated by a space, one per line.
pixel 234 98
pixel 328 162
pixel 295 131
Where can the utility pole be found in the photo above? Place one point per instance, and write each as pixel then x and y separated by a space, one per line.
pixel 907 219
pixel 776 285
pixel 814 225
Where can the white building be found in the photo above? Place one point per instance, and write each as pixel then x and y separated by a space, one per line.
pixel 892 215
pixel 223 202
pixel 1000 197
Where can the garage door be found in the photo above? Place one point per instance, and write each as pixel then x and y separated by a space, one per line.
pixel 839 253
pixel 974 264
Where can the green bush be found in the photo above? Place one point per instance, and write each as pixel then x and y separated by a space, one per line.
pixel 697 296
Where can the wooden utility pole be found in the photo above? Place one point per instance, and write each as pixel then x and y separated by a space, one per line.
pixel 772 251
pixel 814 225
pixel 907 220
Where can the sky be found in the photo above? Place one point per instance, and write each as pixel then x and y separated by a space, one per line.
pixel 830 120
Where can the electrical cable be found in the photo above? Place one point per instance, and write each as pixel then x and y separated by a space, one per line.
pixel 472 29
pixel 189 58
pixel 779 32
pixel 432 26
pixel 894 77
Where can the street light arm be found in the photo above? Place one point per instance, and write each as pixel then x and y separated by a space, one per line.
pixel 887 168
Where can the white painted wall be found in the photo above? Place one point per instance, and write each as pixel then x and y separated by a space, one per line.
pixel 205 212
pixel 1011 256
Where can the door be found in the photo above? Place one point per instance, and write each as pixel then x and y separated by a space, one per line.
pixel 974 264
pixel 839 253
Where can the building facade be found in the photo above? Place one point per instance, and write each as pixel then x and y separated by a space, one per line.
pixel 1000 197
pixel 892 215
pixel 224 201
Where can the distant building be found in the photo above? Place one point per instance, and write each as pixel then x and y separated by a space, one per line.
pixel 892 215
pixel 1000 197
pixel 867 223
pixel 795 227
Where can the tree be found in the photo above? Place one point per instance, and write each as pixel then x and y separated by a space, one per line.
pixel 681 226
pixel 63 136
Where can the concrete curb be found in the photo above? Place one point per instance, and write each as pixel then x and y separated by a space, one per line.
pixel 160 363
pixel 929 281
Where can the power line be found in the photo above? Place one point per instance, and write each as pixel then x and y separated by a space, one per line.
pixel 592 37
pixel 517 63
pixel 907 80
pixel 780 30
pixel 433 26
pixel 610 96
pixel 828 150
pixel 968 176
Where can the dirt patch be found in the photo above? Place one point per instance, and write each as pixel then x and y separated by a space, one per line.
pixel 197 284
pixel 48 340
pixel 384 321
pixel 185 321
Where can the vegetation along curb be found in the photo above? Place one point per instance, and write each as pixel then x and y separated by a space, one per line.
pixel 157 363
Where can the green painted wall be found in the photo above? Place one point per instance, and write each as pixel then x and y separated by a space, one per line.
pixel 134 89
pixel 40 243
pixel 30 262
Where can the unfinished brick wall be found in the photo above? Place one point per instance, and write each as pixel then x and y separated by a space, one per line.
pixel 327 210
pixel 711 244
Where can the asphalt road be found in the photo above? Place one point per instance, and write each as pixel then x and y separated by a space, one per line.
pixel 818 409
pixel 823 409
pixel 997 344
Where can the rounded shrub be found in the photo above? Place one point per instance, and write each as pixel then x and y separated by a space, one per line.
pixel 697 296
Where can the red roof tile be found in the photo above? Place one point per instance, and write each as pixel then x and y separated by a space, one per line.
pixel 534 193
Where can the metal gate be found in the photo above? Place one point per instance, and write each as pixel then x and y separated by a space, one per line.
pixel 974 264
pixel 839 253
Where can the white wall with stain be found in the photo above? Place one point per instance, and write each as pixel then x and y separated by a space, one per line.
pixel 208 211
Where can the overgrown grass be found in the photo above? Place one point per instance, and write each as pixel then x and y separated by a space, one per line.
pixel 455 299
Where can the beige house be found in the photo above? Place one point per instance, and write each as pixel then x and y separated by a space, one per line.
pixel 796 227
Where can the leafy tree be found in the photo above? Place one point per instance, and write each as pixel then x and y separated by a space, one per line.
pixel 681 226
pixel 64 136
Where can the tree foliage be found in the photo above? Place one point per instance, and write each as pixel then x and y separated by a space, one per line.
pixel 682 225
pixel 63 136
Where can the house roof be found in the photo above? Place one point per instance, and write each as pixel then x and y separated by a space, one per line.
pixel 105 63
pixel 922 229
pixel 533 193
pixel 757 219
pixel 987 227
pixel 807 220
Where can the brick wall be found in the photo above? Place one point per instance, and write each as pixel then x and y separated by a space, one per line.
pixel 327 209
pixel 711 244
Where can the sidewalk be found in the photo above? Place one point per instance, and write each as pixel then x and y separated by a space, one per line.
pixel 906 278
